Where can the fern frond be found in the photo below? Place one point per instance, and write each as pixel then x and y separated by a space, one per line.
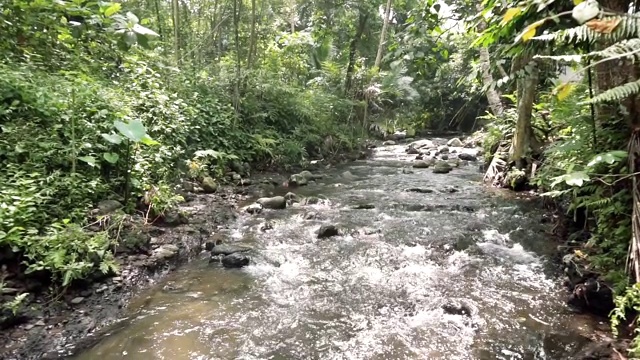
pixel 628 27
pixel 617 93
pixel 628 48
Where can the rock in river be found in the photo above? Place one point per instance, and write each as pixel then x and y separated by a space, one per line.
pixel 467 157
pixel 327 231
pixel 420 164
pixel 412 151
pixel 253 209
pixel 235 260
pixel 442 168
pixel 226 249
pixel 209 185
pixel 455 142
pixel 276 202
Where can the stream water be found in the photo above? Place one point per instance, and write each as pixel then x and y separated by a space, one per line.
pixel 389 288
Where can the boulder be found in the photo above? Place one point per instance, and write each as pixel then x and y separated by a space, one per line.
pixel 303 178
pixel 276 202
pixel 165 252
pixel 108 206
pixel 467 157
pixel 311 200
pixel 399 135
pixel 419 190
pixel 298 180
pixel 364 207
pixel 442 168
pixel 460 307
pixel 235 260
pixel 443 150
pixel 592 296
pixel 227 249
pixel 388 143
pixel 421 144
pixel 421 164
pixel 253 209
pixel 412 151
pixel 444 157
pixel 348 175
pixel 327 231
pixel 455 142
pixel 292 197
pixel 209 185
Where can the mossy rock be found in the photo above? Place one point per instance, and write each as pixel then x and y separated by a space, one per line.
pixel 209 185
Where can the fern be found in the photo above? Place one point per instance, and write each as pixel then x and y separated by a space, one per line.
pixel 629 48
pixel 617 93
pixel 628 27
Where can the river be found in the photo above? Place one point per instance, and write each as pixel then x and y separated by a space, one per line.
pixel 455 271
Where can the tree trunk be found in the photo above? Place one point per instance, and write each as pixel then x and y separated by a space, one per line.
pixel 383 34
pixel 523 138
pixel 176 29
pixel 252 40
pixel 292 16
pixel 236 28
pixel 494 97
pixel 158 18
pixel 353 48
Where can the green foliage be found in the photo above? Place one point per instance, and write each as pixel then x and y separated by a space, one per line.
pixel 90 109
pixel 628 301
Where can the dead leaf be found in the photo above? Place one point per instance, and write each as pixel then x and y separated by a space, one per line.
pixel 603 26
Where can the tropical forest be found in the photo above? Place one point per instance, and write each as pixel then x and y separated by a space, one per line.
pixel 319 179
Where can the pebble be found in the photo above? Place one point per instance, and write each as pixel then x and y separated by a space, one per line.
pixel 77 300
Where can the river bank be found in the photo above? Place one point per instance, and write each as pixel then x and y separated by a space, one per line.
pixel 391 207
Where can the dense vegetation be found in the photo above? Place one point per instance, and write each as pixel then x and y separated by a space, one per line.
pixel 121 100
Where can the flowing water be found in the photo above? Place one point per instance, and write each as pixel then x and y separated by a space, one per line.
pixel 386 289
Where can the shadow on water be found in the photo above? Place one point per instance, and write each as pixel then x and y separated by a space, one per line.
pixel 445 271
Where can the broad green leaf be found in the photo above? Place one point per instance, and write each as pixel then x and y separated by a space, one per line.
pixel 132 18
pixel 576 178
pixel 114 8
pixel 141 30
pixel 134 130
pixel 510 14
pixel 147 140
pixel 609 157
pixel 130 38
pixel 88 159
pixel 111 157
pixel 577 2
pixel 113 138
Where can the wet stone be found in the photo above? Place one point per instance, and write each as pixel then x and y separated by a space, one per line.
pixel 226 249
pixel 235 260
pixel 327 231
pixel 77 300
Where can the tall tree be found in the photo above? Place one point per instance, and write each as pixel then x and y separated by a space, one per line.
pixel 383 33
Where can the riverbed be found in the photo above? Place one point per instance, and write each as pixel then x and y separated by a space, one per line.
pixel 427 266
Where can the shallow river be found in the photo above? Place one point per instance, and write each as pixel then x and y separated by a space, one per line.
pixel 389 288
